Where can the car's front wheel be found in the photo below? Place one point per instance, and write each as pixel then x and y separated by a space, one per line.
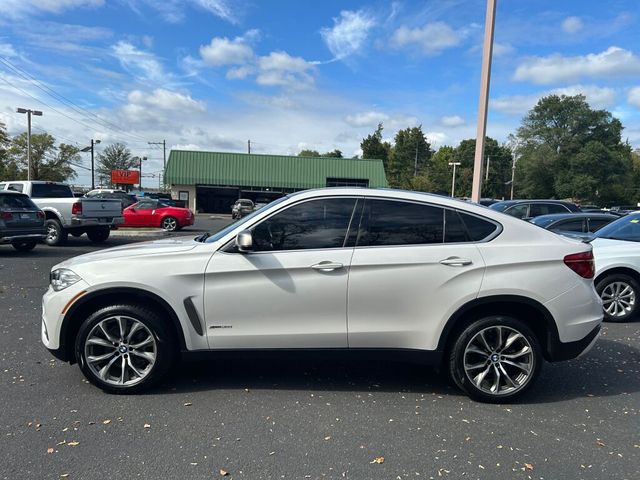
pixel 124 348
pixel 619 294
pixel 170 224
pixel 495 359
pixel 56 234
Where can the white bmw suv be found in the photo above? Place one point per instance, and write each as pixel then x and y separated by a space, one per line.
pixel 356 270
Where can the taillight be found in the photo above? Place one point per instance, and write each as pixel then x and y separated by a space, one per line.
pixel 6 215
pixel 581 263
pixel 76 208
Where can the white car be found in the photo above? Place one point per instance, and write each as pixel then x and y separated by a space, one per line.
pixel 403 273
pixel 616 249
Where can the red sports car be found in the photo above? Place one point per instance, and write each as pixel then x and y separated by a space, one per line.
pixel 155 213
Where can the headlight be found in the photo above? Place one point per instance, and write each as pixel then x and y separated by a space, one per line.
pixel 62 278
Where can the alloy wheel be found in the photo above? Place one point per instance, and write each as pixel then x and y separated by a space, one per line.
pixel 498 360
pixel 52 233
pixel 618 299
pixel 120 350
pixel 169 224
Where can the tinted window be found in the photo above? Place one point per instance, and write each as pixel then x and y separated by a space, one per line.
pixel 314 224
pixel 16 187
pixel 518 211
pixel 401 223
pixel 16 201
pixel 146 205
pixel 454 229
pixel 546 208
pixel 50 190
pixel 477 228
pixel 573 225
pixel 597 223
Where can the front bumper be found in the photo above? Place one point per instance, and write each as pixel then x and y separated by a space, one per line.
pixel 54 306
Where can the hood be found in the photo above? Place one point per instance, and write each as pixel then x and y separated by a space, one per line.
pixel 155 247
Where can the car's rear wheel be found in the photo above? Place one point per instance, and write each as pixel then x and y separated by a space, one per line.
pixel 495 359
pixel 98 234
pixel 56 234
pixel 24 246
pixel 619 294
pixel 124 348
pixel 170 224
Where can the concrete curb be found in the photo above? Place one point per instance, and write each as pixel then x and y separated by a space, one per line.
pixel 139 232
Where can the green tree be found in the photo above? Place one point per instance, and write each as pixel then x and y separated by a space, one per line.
pixel 48 162
pixel 440 172
pixel 373 147
pixel 114 157
pixel 334 154
pixel 309 153
pixel 409 157
pixel 8 168
pixel 569 150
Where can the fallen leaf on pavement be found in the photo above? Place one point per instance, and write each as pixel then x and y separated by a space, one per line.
pixel 49 450
pixel 600 443
pixel 73 444
pixel 378 460
pixel 188 404
pixel 528 466
pixel 223 473
pixel 146 425
pixel 106 422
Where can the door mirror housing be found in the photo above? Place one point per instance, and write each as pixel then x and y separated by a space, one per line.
pixel 244 241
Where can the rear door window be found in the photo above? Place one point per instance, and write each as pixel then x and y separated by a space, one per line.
pixel 572 225
pixel 546 208
pixel 518 211
pixel 478 228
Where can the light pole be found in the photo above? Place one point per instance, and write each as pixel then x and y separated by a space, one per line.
pixel 91 149
pixel 453 178
pixel 483 104
pixel 513 175
pixel 29 112
pixel 140 184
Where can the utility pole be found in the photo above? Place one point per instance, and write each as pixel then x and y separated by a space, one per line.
pixel 91 149
pixel 249 146
pixel 513 175
pixel 483 104
pixel 29 112
pixel 453 178
pixel 140 167
pixel 164 153
pixel 415 163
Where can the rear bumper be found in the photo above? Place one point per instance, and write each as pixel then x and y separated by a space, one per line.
pixel 23 237
pixel 77 222
pixel 559 351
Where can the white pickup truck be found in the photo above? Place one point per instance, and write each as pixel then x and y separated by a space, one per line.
pixel 66 214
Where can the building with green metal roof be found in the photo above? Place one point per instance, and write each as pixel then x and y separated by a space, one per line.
pixel 212 181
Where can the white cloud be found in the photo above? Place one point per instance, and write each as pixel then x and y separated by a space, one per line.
pixel 572 25
pixel 597 97
pixel 366 119
pixel 633 97
pixel 452 121
pixel 144 65
pixel 430 39
pixel 219 8
pixel 502 49
pixel 613 62
pixel 281 69
pixel 166 100
pixel 436 138
pixel 7 50
pixel 173 11
pixel 348 34
pixel 17 8
pixel 222 51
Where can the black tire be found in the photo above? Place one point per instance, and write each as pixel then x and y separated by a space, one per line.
pixel 165 347
pixel 619 312
pixel 56 235
pixel 169 224
pixel 24 246
pixel 520 379
pixel 98 234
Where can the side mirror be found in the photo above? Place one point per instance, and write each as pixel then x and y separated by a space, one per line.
pixel 244 241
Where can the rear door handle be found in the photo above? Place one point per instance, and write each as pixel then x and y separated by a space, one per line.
pixel 327 266
pixel 456 262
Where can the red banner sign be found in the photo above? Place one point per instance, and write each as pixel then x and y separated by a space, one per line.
pixel 128 177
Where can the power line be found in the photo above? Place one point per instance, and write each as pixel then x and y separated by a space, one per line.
pixel 79 109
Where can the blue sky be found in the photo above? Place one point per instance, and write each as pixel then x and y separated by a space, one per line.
pixel 211 74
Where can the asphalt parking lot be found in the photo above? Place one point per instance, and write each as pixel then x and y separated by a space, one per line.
pixel 297 419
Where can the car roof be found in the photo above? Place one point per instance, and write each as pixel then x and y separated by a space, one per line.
pixel 562 216
pixel 536 200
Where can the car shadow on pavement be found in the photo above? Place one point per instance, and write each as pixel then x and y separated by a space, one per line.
pixel 611 368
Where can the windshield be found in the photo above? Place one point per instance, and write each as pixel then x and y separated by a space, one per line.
pixel 625 228
pixel 218 235
pixel 500 206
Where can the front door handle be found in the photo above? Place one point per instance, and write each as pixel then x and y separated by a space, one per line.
pixel 456 262
pixel 327 266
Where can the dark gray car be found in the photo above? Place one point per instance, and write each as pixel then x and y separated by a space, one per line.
pixel 21 221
